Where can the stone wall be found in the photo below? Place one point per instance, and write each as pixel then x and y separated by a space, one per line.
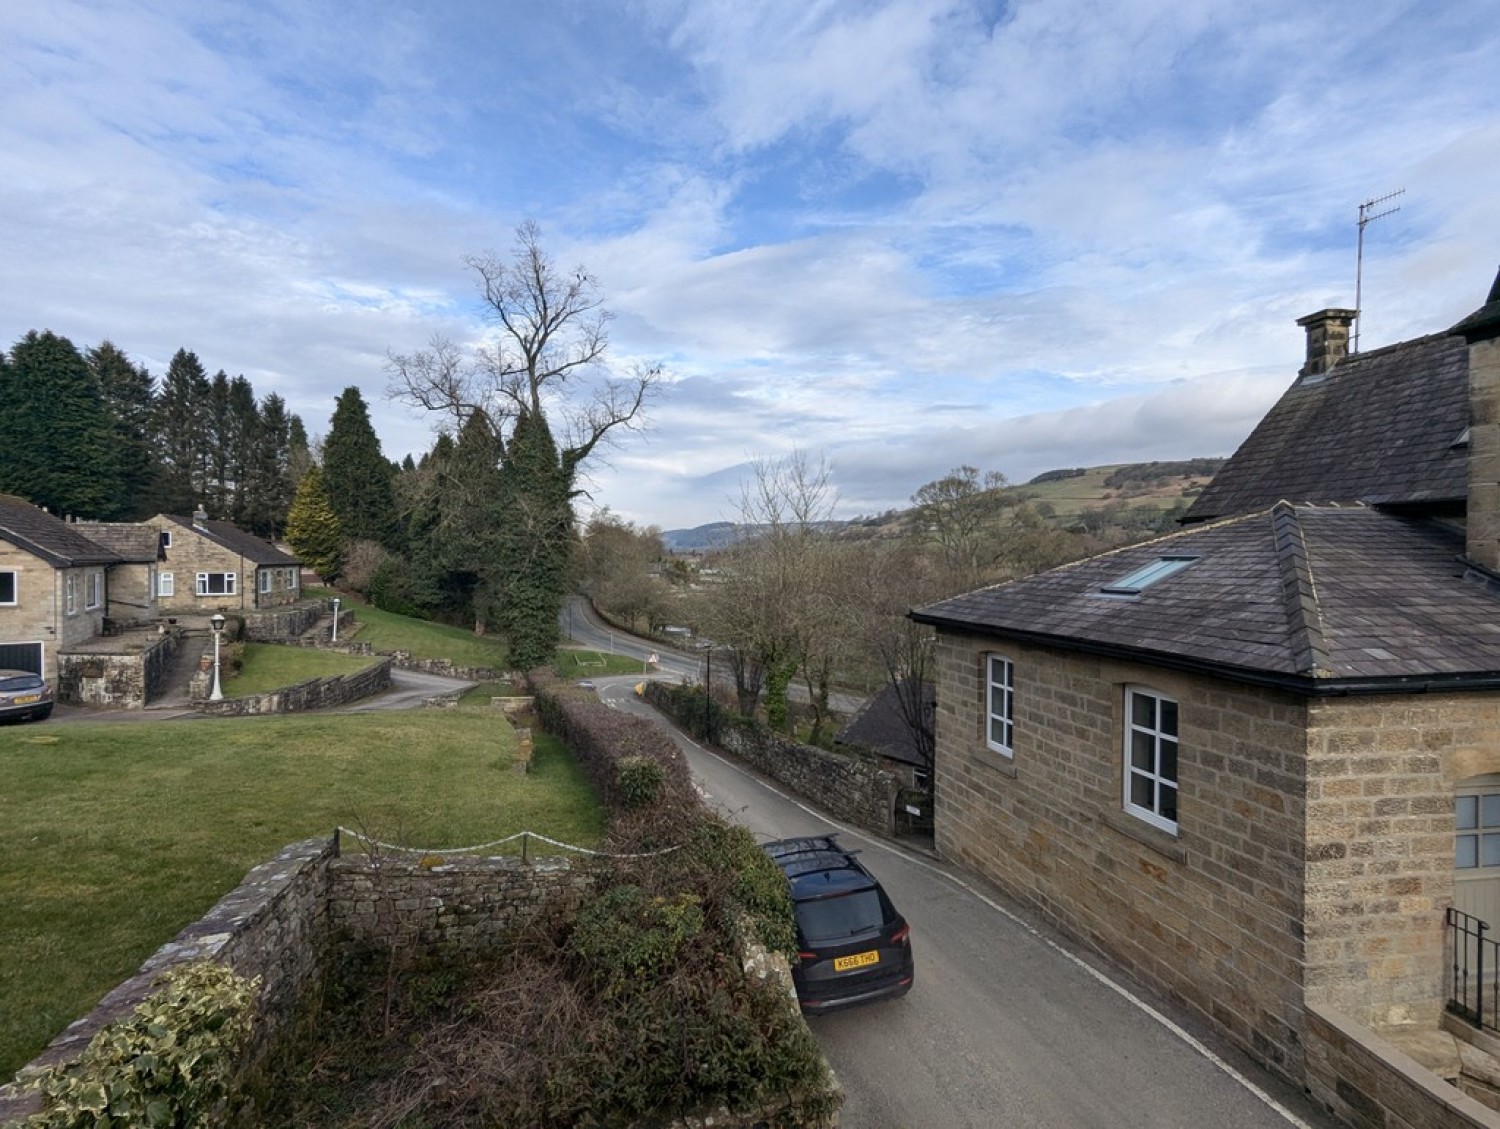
pixel 456 902
pixel 1382 776
pixel 1212 914
pixel 273 925
pixel 314 694
pixel 1369 1083
pixel 126 680
pixel 281 624
pixel 403 660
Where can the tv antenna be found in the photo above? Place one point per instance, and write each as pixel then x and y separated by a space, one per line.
pixel 1365 219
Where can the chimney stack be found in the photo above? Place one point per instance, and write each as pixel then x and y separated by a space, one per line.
pixel 1327 339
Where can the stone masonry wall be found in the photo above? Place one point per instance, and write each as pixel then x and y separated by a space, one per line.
pixel 313 694
pixel 1211 915
pixel 454 902
pixel 282 624
pixel 1380 846
pixel 125 681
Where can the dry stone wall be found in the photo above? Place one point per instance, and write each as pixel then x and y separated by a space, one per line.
pixel 314 694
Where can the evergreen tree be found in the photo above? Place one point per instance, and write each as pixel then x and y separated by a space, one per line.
pixel 218 440
pixel 182 435
pixel 241 438
pixel 312 528
pixel 298 451
pixel 130 393
pixel 534 567
pixel 57 436
pixel 359 482
pixel 268 484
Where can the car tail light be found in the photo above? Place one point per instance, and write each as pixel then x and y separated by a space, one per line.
pixel 901 936
pixel 807 956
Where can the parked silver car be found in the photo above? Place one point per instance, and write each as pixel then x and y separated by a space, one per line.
pixel 24 696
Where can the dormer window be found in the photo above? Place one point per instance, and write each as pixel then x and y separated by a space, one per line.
pixel 1133 584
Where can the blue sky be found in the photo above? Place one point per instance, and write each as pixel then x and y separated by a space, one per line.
pixel 897 236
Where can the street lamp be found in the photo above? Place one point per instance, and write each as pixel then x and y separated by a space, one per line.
pixel 335 638
pixel 708 689
pixel 216 621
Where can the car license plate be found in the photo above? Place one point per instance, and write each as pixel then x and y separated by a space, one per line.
pixel 27 699
pixel 858 960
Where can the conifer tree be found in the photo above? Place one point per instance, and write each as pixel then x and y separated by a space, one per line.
pixel 312 528
pixel 534 567
pixel 268 483
pixel 57 437
pixel 182 435
pixel 130 393
pixel 359 482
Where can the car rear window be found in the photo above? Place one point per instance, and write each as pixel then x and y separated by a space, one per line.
pixel 21 682
pixel 832 919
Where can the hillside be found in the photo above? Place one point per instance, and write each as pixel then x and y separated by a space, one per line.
pixel 1074 496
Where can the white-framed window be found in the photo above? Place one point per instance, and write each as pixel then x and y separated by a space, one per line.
pixel 999 704
pixel 166 585
pixel 265 575
pixel 291 579
pixel 10 588
pixel 1150 757
pixel 216 583
pixel 70 593
pixel 93 590
pixel 166 538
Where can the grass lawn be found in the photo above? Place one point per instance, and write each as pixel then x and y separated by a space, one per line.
pixel 387 631
pixel 114 835
pixel 268 666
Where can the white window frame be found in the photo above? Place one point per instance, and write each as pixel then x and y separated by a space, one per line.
pixel 231 582
pixel 264 579
pixel 93 590
pixel 166 538
pixel 15 588
pixel 1000 704
pixel 1150 754
pixel 291 579
pixel 70 593
pixel 166 585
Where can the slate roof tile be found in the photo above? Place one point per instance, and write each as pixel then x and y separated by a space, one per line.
pixel 55 541
pixel 236 540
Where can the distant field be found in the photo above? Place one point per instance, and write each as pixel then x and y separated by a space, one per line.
pixel 1069 496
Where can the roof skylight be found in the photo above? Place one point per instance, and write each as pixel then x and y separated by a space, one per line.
pixel 1138 581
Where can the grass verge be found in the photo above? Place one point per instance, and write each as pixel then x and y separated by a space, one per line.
pixel 117 834
pixel 267 666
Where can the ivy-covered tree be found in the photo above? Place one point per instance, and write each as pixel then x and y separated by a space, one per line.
pixel 358 479
pixel 312 528
pixel 129 392
pixel 57 437
pixel 548 372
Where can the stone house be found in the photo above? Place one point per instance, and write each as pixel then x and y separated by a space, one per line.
pixel 132 581
pixel 53 587
pixel 1256 761
pixel 207 566
pixel 880 730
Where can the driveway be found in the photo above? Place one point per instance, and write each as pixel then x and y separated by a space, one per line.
pixel 1007 1024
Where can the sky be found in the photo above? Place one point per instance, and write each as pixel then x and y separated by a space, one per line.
pixel 893 238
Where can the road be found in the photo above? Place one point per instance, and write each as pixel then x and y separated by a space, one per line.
pixel 1006 1025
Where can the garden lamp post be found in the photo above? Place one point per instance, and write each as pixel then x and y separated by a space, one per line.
pixel 335 638
pixel 216 621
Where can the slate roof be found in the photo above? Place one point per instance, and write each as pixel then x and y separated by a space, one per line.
pixel 880 727
pixel 1383 427
pixel 131 541
pixel 42 535
pixel 1314 599
pixel 237 541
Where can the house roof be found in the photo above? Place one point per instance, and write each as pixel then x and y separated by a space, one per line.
pixel 1386 427
pixel 42 535
pixel 131 541
pixel 236 540
pixel 880 727
pixel 1315 599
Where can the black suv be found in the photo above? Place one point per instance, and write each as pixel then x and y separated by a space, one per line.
pixel 854 946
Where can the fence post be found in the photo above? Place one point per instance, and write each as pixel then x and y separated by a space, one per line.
pixel 1479 994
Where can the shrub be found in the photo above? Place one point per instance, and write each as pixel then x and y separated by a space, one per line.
pixel 640 781
pixel 170 1064
pixel 628 936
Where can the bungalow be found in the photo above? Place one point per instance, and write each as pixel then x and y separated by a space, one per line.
pixel 1257 761
pixel 208 566
pixel 132 581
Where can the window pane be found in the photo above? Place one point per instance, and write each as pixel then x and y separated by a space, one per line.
pixel 1466 811
pixel 1143 710
pixel 1489 811
pixel 7 588
pixel 1168 716
pixel 1168 809
pixel 1167 769
pixel 1466 853
pixel 1142 791
pixel 1143 751
pixel 999 731
pixel 1489 850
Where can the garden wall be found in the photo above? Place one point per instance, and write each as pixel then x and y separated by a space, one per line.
pixel 855 790
pixel 314 694
pixel 122 671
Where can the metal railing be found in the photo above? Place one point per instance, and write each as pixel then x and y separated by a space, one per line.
pixel 1474 960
